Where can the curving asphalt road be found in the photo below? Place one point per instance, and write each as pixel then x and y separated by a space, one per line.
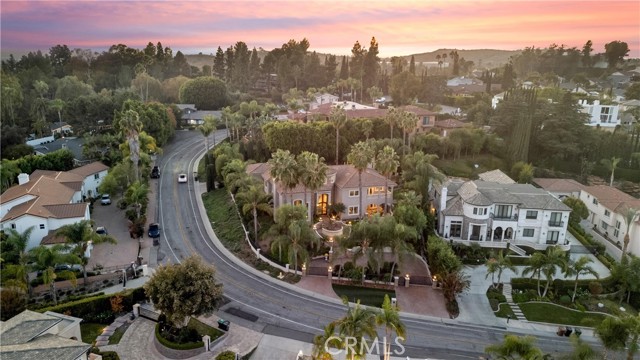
pixel 255 300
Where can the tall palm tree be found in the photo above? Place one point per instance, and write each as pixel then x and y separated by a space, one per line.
pixel 255 200
pixel 577 268
pixel 45 260
pixel 492 269
pixel 356 324
pixel 131 127
pixel 78 236
pixel 324 341
pixel 8 170
pixel 18 242
pixel 226 117
pixel 206 129
pixel 313 174
pixel 536 263
pixel 300 236
pixel 367 128
pixel 338 119
pixel 628 215
pixel 611 165
pixel 418 172
pixel 408 123
pixel 392 118
pixel 284 170
pixel 360 156
pixel 633 322
pixel 387 163
pixel 389 317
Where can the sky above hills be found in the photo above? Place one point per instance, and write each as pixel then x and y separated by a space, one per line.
pixel 400 27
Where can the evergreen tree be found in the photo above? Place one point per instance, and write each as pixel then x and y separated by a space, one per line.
pixel 507 77
pixel 229 62
pixel 344 69
pixel 412 65
pixel 586 54
pixel 370 65
pixel 218 63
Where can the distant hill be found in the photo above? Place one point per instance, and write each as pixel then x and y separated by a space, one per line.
pixel 489 58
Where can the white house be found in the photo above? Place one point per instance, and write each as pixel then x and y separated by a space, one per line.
pixel 605 116
pixel 606 206
pixel 463 80
pixel 48 200
pixel 497 99
pixel 320 99
pixel 493 214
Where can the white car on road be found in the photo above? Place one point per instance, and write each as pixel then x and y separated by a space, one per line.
pixel 182 178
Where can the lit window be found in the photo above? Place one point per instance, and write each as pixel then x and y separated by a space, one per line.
pixel 297 202
pixel 376 190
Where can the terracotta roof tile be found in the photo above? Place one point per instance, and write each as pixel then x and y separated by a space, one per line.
pixel 563 185
pixel 612 198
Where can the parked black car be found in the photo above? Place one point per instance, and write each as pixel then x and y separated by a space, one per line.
pixel 154 230
pixel 155 173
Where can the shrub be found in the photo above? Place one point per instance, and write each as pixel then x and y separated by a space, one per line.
pixel 565 300
pixel 172 345
pixel 453 309
pixel 494 304
pixel 116 304
pixel 595 288
pixel 226 355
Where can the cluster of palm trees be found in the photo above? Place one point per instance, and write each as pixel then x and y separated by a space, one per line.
pixel 43 259
pixel 247 120
pixel 350 333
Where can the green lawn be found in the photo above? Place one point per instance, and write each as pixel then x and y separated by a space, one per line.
pixel 551 313
pixel 504 310
pixel 367 296
pixel 204 329
pixel 117 335
pixel 90 331
pixel 224 219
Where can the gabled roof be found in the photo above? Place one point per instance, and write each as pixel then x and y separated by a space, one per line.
pixel 525 196
pixel 89 169
pixel 449 124
pixel 559 185
pixel 23 338
pixel 43 186
pixel 347 177
pixel 58 125
pixel 73 144
pixel 496 176
pixel 612 198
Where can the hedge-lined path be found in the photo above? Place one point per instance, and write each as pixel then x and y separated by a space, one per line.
pixel 103 339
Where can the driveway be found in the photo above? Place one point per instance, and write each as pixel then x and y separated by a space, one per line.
pixel 112 256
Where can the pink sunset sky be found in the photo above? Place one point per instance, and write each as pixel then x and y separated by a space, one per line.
pixel 401 27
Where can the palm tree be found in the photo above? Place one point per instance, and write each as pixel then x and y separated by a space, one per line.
pixel 633 322
pixel 255 200
pixel 418 172
pixel 387 163
pixel 577 268
pixel 613 332
pixel 454 283
pixel 137 195
pixel 338 119
pixel 18 242
pixel 226 117
pixel 313 174
pixel 8 170
pixel 45 260
pixel 79 235
pixel 356 324
pixel 628 215
pixel 58 105
pixel 581 350
pixel 504 263
pixel 392 118
pixel 516 347
pixel 389 317
pixel 492 269
pixel 360 156
pixel 130 127
pixel 206 129
pixel 545 263
pixel 299 237
pixel 408 123
pixel 284 170
pixel 322 343
pixel 611 165
pixel 367 128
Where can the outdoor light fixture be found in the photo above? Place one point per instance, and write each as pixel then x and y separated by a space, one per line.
pixel 330 269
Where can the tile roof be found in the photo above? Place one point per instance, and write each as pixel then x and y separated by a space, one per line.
pixel 51 239
pixel 496 176
pixel 612 198
pixel 526 196
pixel 559 185
pixel 450 124
pixel 73 144
pixel 89 169
pixel 325 109
pixel 23 338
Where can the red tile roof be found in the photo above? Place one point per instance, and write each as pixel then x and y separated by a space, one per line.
pixel 559 185
pixel 612 198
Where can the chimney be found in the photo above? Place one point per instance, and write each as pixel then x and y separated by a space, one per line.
pixel 23 178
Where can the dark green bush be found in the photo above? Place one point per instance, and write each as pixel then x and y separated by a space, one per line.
pixel 494 304
pixel 88 307
pixel 595 288
pixel 226 355
pixel 174 345
pixel 565 300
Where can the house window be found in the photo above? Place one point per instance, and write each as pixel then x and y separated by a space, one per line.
pixel 96 176
pixel 353 210
pixel 532 214
pixel 425 121
pixel 605 115
pixel 616 232
pixel 13 226
pixel 376 190
pixel 528 232
pixel 605 226
pixel 503 212
pixel 553 236
pixel 607 213
pixel 556 219
pixel 595 201
pixel 475 211
pixel 354 193
pixel 456 228
pixel 42 226
pixel 297 202
pixel 485 211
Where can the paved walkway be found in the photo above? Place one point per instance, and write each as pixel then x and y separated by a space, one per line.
pixel 506 291
pixel 103 339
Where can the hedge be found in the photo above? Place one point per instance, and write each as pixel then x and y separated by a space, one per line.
pixel 92 307
pixel 176 346
pixel 561 286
